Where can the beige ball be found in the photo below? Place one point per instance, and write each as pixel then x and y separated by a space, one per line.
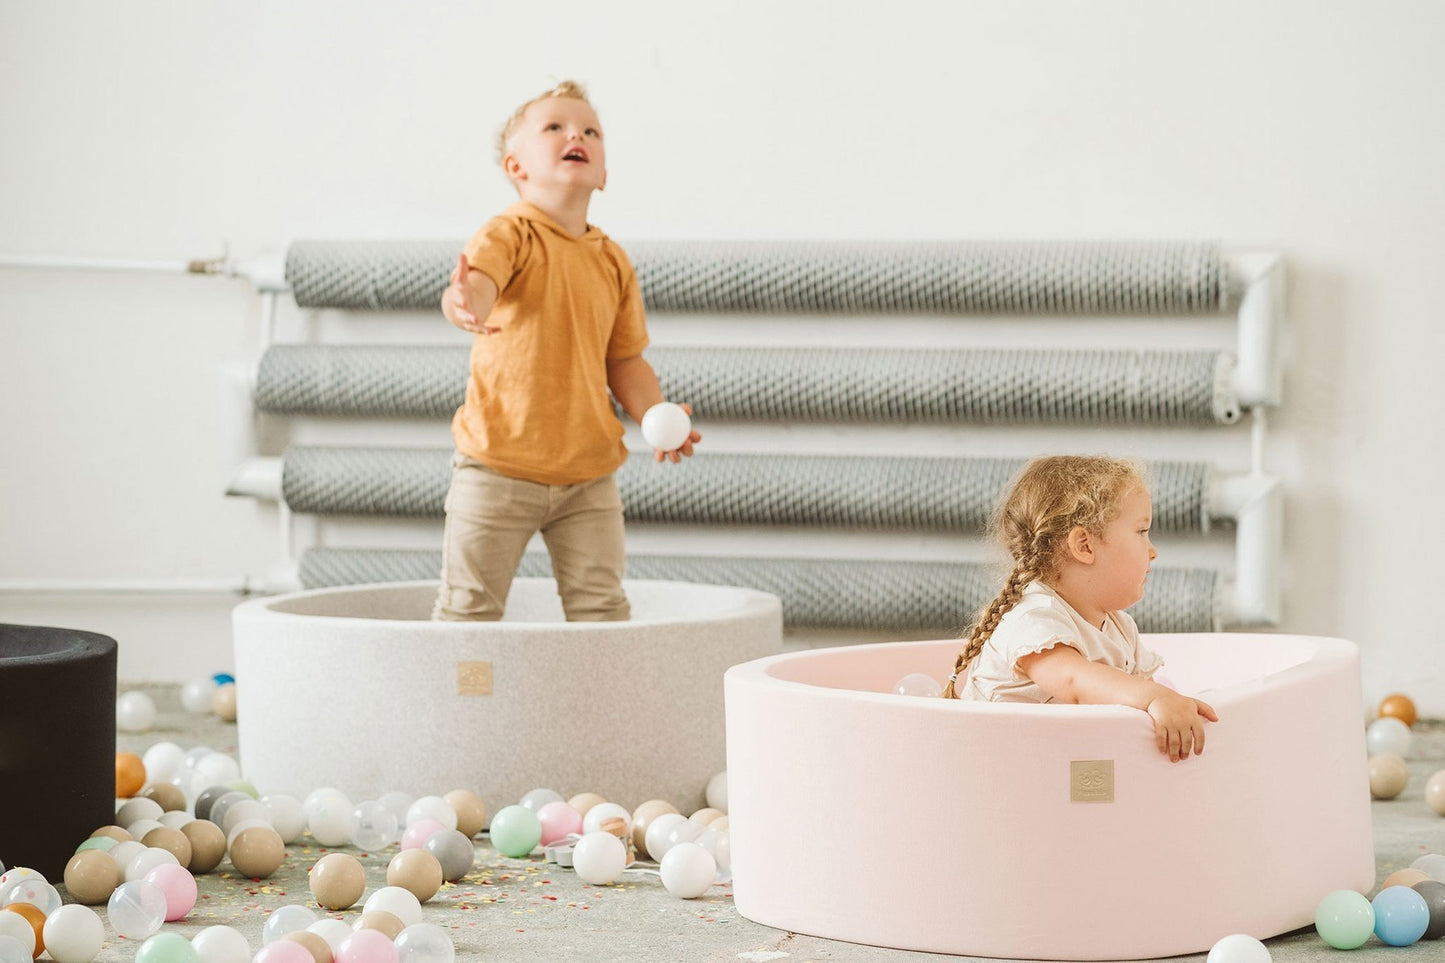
pixel 91 876
pixel 1388 776
pixel 223 702
pixel 172 841
pixel 643 816
pixel 168 795
pixel 719 824
pixel 208 845
pixel 415 870
pixel 471 811
pixel 584 801
pixel 1435 792
pixel 113 832
pixel 337 881
pixel 257 852
pixel 319 949
pixel 382 922
pixel 706 816
pixel 1405 877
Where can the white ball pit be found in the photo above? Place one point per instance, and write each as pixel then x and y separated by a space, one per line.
pixel 356 688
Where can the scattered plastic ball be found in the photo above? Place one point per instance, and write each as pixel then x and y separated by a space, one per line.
pixel 719 843
pixel 223 702
pixel 146 860
pixel 383 922
pixel 333 931
pixel 1238 948
pixel 1345 919
pixel 26 925
pixel 179 887
pixel 397 802
pixel 453 851
pixel 196 694
pixel 1401 916
pixel 1397 706
pixel 1387 735
pixel 599 817
pixel 918 684
pixel 706 815
pixel 122 853
pixel 367 946
pixel 376 826
pixel 419 832
pixel 288 817
pixel 257 852
pixel 34 892
pixel 337 881
pixel 164 794
pixel 1435 792
pixel 1432 863
pixel 425 943
pixel 558 819
pixel 172 841
pixel 130 774
pixel 1404 877
pixel 208 845
pixel 397 901
pixel 74 934
pixel 687 870
pixel 656 839
pixel 584 801
pixel 222 944
pixel 247 809
pixel 221 806
pixel 1388 775
pixel 330 816
pixel 136 909
pixel 1434 893
pixel 284 951
pixel 470 809
pixel 515 831
pixel 91 876
pixel 434 808
pixel 13 950
pixel 221 770
pixel 317 946
pixel 717 791
pixel 167 948
pixel 285 919
pixel 417 871
pixel 163 761
pixel 599 858
pixel 537 798
pixel 134 712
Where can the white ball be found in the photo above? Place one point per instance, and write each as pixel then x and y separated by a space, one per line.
pixel 657 832
pixel 219 768
pixel 332 930
pixel 599 858
pixel 326 797
pixel 397 802
pixel 666 426
pixel 719 843
pixel 134 712
pixel 717 791
pixel 1432 864
pixel 1239 948
pixel 538 798
pixel 18 929
pixel 602 812
pixel 432 807
pixel 73 934
pixel 688 870
pixel 12 948
pixel 146 860
pixel 122 853
pixel 221 944
pixel 163 762
pixel 139 827
pixel 333 827
pixel 401 903
pixel 243 811
pixel 196 693
pixel 288 817
pixel 134 810
pixel 424 943
pixel 176 818
pixel 686 831
pixel 1388 736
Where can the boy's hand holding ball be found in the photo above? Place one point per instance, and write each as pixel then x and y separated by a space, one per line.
pixel 668 429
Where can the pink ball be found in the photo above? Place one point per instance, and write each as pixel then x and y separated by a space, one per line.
pixel 179 887
pixel 558 819
pixel 366 946
pixel 284 951
pixel 419 832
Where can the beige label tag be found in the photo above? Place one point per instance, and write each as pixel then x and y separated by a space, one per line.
pixel 1091 780
pixel 474 678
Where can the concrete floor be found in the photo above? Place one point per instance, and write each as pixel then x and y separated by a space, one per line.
pixel 528 909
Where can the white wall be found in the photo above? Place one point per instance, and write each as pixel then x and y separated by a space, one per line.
pixel 163 130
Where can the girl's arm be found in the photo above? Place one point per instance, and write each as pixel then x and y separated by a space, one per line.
pixel 1066 676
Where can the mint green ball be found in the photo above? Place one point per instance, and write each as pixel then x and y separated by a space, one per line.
pixel 103 843
pixel 1345 919
pixel 516 831
pixel 167 948
pixel 241 785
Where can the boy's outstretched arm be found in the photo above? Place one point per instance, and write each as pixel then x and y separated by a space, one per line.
pixel 1063 673
pixel 634 385
pixel 469 298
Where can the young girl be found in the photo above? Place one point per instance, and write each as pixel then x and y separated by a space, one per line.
pixel 1078 530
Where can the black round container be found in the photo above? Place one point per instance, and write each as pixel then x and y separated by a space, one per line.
pixel 57 743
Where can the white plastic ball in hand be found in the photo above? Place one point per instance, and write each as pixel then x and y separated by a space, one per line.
pixel 134 712
pixel 1239 948
pixel 717 791
pixel 687 870
pixel 1387 735
pixel 666 426
pixel 599 858
pixel 73 934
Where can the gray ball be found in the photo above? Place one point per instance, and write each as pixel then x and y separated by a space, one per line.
pixel 1434 894
pixel 224 803
pixel 453 850
pixel 208 798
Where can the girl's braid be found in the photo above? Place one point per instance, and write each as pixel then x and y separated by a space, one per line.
pixel 1029 567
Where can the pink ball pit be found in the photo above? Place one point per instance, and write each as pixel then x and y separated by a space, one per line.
pixel 951 827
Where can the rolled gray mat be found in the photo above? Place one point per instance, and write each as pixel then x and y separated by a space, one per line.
pixel 798 384
pixel 873 594
pixel 839 277
pixel 711 488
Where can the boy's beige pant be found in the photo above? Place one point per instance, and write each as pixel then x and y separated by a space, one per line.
pixel 490 519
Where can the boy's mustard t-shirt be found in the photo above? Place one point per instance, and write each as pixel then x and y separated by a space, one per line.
pixel 537 404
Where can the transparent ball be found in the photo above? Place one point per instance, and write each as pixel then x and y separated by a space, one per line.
pixel 148 859
pixel 538 798
pixel 136 909
pixel 424 943
pixel 398 803
pixel 918 684
pixel 434 808
pixel 286 919
pixel 36 892
pixel 376 825
pixel 333 931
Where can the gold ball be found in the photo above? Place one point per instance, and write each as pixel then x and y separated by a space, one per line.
pixel 114 832
pixel 1400 707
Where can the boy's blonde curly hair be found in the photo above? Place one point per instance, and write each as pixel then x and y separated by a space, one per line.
pixel 567 88
pixel 1051 497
